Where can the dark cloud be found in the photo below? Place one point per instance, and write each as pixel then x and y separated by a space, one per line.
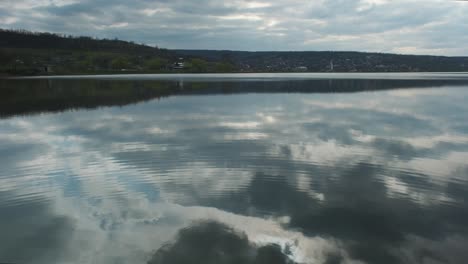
pixel 33 233
pixel 356 210
pixel 12 151
pixel 399 149
pixel 214 242
pixel 326 131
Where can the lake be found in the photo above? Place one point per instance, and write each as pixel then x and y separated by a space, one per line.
pixel 235 168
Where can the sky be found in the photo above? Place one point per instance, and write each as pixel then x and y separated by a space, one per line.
pixel 436 27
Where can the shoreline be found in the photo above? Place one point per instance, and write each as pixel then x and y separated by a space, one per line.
pixel 254 76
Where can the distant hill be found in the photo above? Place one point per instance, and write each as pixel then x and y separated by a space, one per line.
pixel 331 61
pixel 38 53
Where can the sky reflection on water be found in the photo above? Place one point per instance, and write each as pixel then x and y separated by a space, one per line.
pixel 368 177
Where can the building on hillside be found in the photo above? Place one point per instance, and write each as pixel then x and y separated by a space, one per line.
pixel 179 65
pixel 45 68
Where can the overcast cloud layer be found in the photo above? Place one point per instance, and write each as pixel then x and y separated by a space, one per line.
pixel 412 27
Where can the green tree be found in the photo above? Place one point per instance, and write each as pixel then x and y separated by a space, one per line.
pixel 83 65
pixel 198 65
pixel 120 63
pixel 100 61
pixel 156 64
pixel 224 67
pixel 6 59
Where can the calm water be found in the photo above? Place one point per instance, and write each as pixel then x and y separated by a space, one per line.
pixel 235 169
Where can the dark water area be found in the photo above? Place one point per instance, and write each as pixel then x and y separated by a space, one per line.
pixel 28 96
pixel 234 169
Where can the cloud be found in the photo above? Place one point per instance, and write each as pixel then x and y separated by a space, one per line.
pixel 429 27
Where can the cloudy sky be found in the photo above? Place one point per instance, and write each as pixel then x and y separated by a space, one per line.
pixel 399 26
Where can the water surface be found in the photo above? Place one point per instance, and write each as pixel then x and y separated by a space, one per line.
pixel 223 169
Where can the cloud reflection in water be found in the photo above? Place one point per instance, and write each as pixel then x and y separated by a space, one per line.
pixel 372 177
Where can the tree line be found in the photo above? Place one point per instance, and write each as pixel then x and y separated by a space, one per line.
pixel 29 53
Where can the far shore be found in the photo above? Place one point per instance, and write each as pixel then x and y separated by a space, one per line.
pixel 256 76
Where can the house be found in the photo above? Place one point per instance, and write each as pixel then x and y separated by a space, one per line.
pixel 179 65
pixel 44 68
